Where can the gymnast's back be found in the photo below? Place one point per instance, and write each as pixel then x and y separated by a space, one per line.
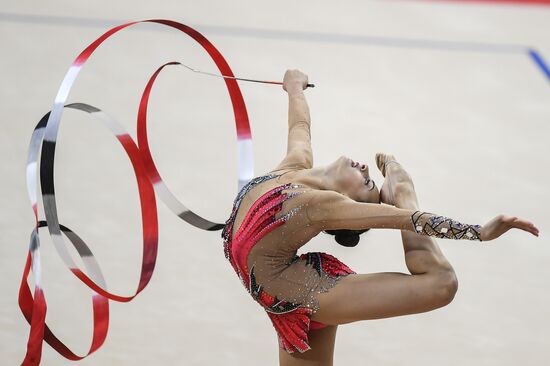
pixel 270 218
pixel 269 222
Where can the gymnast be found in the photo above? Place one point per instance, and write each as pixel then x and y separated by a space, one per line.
pixel 307 296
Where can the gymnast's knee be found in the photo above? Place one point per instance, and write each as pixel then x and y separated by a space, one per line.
pixel 445 286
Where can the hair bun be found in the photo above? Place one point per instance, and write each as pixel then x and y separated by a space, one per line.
pixel 347 239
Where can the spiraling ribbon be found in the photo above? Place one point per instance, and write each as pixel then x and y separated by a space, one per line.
pixel 149 181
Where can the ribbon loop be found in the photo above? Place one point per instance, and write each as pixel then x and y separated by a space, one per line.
pixel 42 146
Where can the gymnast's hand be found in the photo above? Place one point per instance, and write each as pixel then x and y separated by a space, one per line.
pixel 294 81
pixel 501 224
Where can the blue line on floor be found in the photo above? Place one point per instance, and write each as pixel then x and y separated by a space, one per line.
pixel 543 66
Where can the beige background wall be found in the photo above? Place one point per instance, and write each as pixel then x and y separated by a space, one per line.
pixel 471 126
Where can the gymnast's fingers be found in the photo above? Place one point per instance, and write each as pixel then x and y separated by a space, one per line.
pixel 525 226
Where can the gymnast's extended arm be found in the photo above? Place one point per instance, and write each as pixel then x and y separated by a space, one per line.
pixel 329 210
pixel 299 154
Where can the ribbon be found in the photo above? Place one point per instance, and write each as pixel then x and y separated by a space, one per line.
pixel 43 143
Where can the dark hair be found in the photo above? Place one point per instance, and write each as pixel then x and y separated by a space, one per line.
pixel 347 238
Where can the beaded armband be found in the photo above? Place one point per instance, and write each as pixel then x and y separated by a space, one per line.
pixel 443 227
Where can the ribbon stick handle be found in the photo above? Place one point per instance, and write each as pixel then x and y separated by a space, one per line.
pixel 276 82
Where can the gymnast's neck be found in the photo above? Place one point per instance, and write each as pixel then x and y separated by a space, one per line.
pixel 316 178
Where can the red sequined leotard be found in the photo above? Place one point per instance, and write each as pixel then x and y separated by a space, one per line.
pixel 262 251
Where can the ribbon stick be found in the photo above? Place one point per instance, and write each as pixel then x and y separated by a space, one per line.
pixel 43 145
pixel 236 78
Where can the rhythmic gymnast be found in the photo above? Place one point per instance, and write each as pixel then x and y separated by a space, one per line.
pixel 306 297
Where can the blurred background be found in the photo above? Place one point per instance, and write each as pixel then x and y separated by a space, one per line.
pixel 456 90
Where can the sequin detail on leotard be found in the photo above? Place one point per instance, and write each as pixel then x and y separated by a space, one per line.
pixel 259 220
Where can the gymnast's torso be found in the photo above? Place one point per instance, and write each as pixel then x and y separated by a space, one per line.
pixel 296 231
pixel 268 225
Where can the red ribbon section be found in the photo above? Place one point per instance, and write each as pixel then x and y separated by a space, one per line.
pixel 42 147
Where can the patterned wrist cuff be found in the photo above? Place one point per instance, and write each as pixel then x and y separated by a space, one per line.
pixel 426 223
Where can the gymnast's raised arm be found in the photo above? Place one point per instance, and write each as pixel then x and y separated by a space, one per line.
pixel 329 210
pixel 299 154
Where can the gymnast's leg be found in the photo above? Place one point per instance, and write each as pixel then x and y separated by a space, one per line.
pixel 432 283
pixel 321 353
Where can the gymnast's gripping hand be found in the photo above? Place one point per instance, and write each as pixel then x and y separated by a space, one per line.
pixel 501 224
pixel 294 81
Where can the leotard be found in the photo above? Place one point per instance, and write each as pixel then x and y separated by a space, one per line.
pixel 283 283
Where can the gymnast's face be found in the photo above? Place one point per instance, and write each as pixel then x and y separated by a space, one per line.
pixel 352 179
